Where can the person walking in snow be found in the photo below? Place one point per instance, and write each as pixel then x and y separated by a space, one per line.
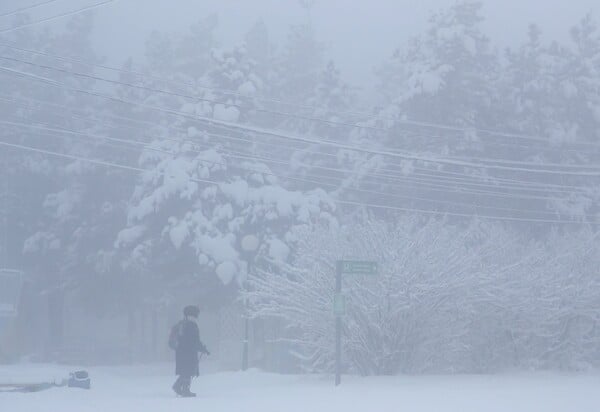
pixel 185 340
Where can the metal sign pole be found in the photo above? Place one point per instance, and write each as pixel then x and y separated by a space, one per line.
pixel 338 329
pixel 345 267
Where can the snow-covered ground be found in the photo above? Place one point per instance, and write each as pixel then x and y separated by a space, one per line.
pixel 147 389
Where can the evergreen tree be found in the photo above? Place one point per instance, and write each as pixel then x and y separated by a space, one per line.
pixel 444 76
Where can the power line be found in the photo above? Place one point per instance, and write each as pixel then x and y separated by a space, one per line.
pixel 462 131
pixel 247 169
pixel 441 188
pixel 467 180
pixel 270 144
pixel 57 16
pixel 192 97
pixel 339 201
pixel 145 146
pixel 290 136
pixel 187 85
pixel 27 8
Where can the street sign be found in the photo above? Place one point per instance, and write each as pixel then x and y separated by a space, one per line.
pixel 357 267
pixel 339 304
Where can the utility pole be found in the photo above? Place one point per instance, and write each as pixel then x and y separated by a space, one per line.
pixel 338 326
pixel 345 267
pixel 250 245
pixel 246 326
pixel 5 224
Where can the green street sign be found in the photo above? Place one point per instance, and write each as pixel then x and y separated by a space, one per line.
pixel 339 304
pixel 357 267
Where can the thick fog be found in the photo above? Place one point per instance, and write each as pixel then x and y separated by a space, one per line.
pixel 298 194
pixel 356 34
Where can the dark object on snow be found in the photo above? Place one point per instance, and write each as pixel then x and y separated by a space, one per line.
pixel 79 379
pixel 27 387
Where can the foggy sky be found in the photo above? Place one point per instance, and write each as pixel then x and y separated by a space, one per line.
pixel 348 27
pixel 359 34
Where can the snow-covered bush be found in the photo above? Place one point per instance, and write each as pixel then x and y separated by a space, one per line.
pixel 446 299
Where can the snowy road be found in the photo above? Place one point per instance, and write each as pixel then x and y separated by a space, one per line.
pixel 147 389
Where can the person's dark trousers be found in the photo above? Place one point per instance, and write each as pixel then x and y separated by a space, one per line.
pixel 182 385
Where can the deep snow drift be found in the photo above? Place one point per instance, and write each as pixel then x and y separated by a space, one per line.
pixel 147 389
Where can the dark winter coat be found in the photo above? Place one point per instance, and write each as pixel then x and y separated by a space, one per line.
pixel 186 354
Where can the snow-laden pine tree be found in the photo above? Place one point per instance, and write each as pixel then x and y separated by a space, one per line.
pixel 183 55
pixel 298 64
pixel 260 48
pixel 65 217
pixel 206 186
pixel 585 75
pixel 444 75
pixel 545 94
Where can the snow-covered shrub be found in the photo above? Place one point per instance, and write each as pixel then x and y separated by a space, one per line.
pixel 446 299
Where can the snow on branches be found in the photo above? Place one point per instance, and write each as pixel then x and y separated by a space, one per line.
pixel 446 299
pixel 199 201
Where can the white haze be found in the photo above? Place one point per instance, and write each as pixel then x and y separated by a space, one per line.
pixel 401 195
pixel 356 32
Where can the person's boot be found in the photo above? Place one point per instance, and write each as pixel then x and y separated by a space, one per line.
pixel 185 390
pixel 177 387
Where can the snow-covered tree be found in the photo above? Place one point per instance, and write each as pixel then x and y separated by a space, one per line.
pixel 298 64
pixel 179 55
pixel 545 94
pixel 584 70
pixel 178 211
pixel 444 76
pixel 447 298
pixel 259 48
pixel 207 186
